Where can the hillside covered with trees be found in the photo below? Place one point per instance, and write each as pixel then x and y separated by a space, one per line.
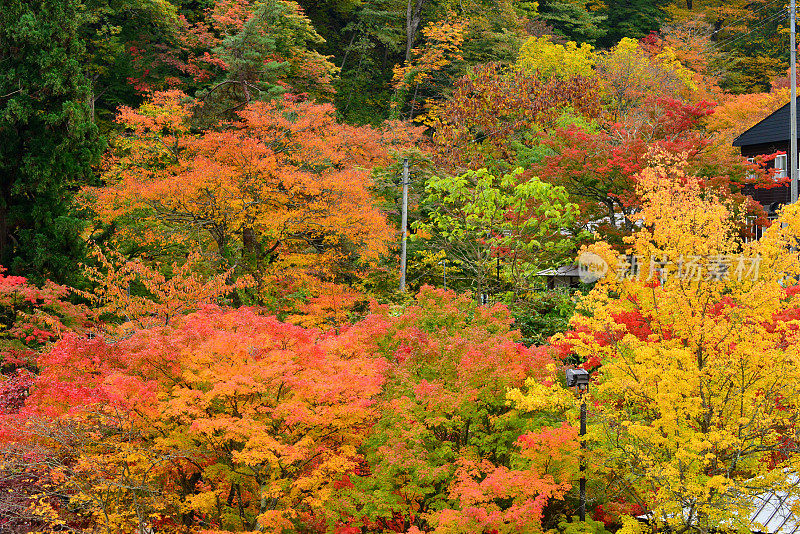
pixel 201 326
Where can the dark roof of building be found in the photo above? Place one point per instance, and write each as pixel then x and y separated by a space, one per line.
pixel 774 127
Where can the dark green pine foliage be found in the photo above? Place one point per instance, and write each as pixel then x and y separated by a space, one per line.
pixel 573 20
pixel 631 18
pixel 48 143
pixel 271 54
pixel 366 39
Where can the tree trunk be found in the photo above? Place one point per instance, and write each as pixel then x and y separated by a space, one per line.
pixel 3 233
pixel 413 20
pixel 612 215
pixel 717 28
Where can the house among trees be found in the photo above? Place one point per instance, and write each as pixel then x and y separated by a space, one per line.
pixel 769 136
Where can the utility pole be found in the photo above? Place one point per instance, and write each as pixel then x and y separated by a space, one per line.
pixel 579 378
pixel 582 434
pixel 793 100
pixel 404 223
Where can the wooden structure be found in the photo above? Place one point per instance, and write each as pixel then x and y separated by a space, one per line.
pixel 564 276
pixel 769 136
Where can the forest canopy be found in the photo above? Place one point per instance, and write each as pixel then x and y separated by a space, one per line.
pixel 206 324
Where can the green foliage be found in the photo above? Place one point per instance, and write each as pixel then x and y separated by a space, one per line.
pixel 529 150
pixel 751 73
pixel 271 53
pixel 575 526
pixel 509 224
pixel 573 19
pixel 542 314
pixel 751 64
pixel 366 40
pixel 630 18
pixel 48 143
pixel 494 30
pixel 129 46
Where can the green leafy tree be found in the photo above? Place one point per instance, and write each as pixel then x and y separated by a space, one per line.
pixel 630 18
pixel 366 39
pixel 573 19
pixel 502 228
pixel 542 314
pixel 47 140
pixel 129 46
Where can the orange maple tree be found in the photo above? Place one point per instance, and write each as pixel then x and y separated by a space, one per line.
pixel 281 193
pixel 224 418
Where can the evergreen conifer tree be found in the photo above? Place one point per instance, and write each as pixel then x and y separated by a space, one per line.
pixel 48 142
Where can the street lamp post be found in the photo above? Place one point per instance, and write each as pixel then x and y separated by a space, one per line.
pixel 579 378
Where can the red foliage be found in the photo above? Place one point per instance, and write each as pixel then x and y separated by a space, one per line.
pixel 31 317
pixel 14 390
pixel 209 403
pixel 610 513
pixel 600 167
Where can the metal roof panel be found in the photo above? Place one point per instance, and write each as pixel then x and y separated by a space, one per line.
pixel 774 127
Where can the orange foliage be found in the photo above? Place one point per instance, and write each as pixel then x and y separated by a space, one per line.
pixel 160 297
pixel 231 421
pixel 331 306
pixel 281 192
pixel 240 419
pixel 737 113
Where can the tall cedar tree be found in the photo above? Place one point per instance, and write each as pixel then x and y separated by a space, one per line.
pixel 47 140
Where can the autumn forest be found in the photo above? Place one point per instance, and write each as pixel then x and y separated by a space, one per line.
pixel 220 312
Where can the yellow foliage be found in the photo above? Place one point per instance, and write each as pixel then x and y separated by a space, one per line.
pixel 631 526
pixel 669 59
pixel 443 42
pixel 204 501
pixel 540 397
pixel 552 59
pixel 628 73
pixel 695 364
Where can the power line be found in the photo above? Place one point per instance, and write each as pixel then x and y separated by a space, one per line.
pixel 742 19
pixel 775 18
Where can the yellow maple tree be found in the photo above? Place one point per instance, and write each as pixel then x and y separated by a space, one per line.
pixel 693 336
